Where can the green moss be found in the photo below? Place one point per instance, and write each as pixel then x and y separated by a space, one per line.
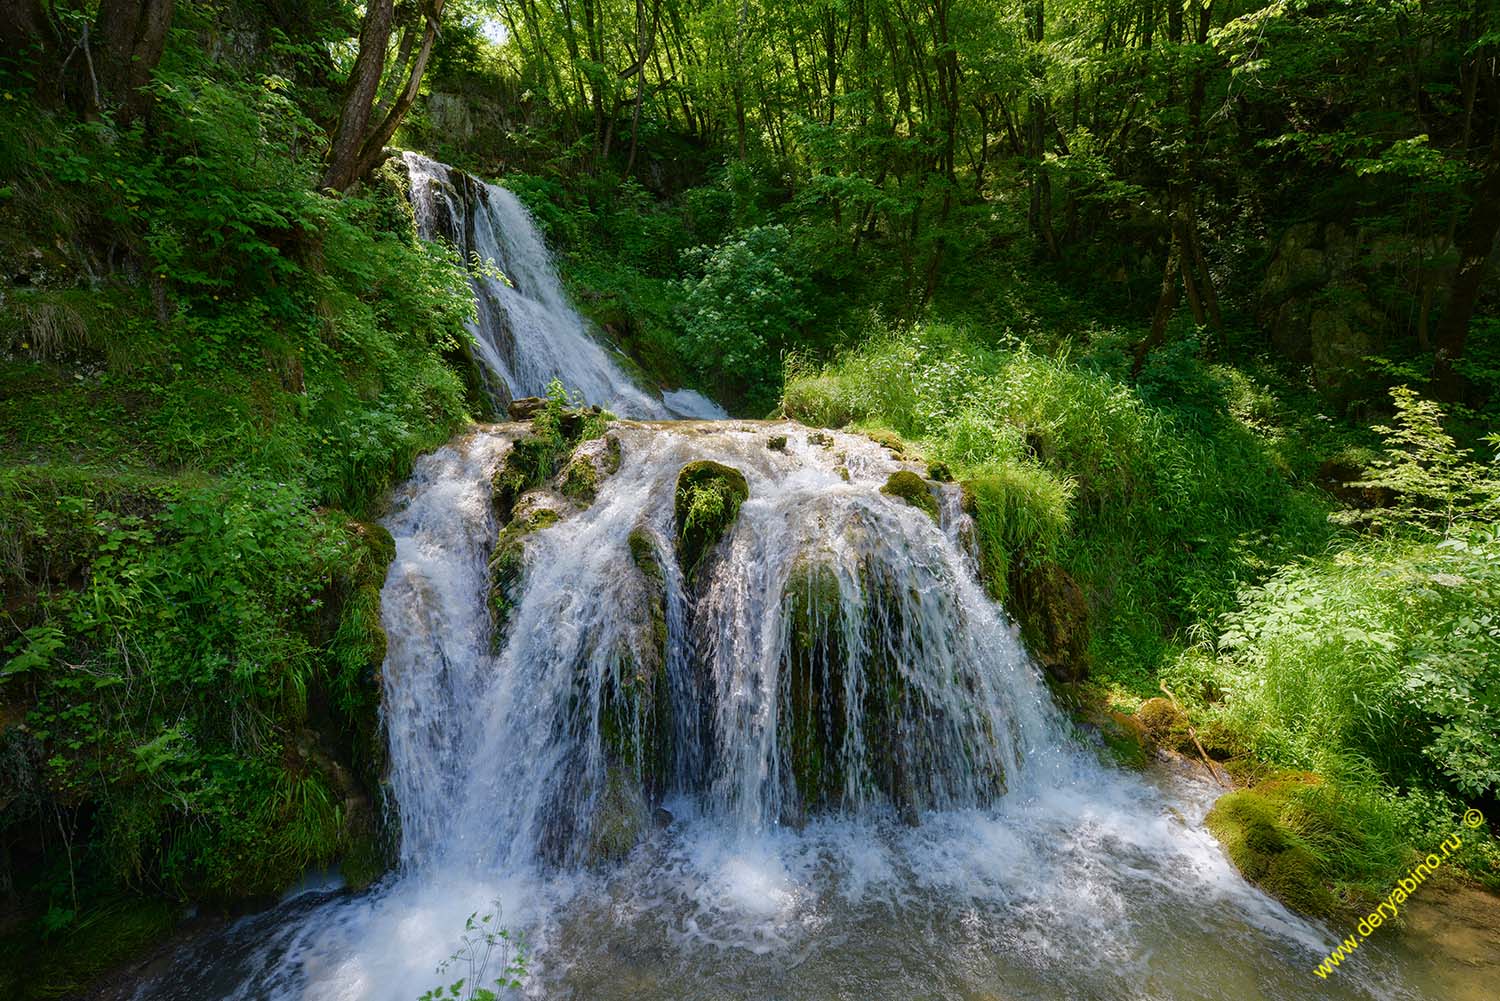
pixel 1252 825
pixel 707 501
pixel 776 443
pixel 508 563
pixel 621 817
pixel 1125 739
pixel 592 460
pixel 580 482
pixel 636 712
pixel 1165 725
pixel 364 859
pixel 813 706
pixel 914 490
pixel 531 461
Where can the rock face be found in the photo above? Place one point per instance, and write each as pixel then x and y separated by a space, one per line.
pixel 1316 303
pixel 707 500
pixel 1054 612
pixel 525 408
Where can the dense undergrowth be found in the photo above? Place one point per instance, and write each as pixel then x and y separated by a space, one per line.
pixel 209 374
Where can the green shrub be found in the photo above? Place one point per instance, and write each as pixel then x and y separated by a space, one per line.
pixel 742 304
pixel 1386 649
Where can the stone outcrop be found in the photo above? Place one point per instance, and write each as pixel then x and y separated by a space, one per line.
pixel 706 502
pixel 1316 301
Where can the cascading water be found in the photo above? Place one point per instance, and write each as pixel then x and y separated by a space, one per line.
pixel 526 333
pixel 867 790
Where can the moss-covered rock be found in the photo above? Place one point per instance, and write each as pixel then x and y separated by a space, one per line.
pixel 592 461
pixel 1253 826
pixel 1125 739
pixel 621 817
pixel 776 443
pixel 1165 725
pixel 914 490
pixel 891 442
pixel 707 500
pixel 1054 615
pixel 813 711
pixel 508 562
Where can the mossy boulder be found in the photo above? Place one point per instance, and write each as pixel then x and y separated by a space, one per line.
pixel 526 408
pixel 707 501
pixel 776 443
pixel 813 710
pixel 911 488
pixel 592 461
pixel 1254 827
pixel 621 817
pixel 1126 739
pixel 1165 725
pixel 531 461
pixel 891 442
pixel 508 562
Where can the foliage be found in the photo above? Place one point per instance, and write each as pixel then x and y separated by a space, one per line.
pixel 743 303
pixel 1432 482
pixel 707 499
pixel 1166 506
pixel 484 949
pixel 1387 649
pixel 229 362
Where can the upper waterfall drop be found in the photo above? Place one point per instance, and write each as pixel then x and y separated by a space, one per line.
pixel 527 333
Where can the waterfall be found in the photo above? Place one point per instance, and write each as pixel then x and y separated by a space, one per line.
pixel 818 764
pixel 526 332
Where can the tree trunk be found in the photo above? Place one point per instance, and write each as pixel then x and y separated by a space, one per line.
pixel 132 35
pixel 359 97
pixel 1165 303
pixel 24 25
pixel 373 148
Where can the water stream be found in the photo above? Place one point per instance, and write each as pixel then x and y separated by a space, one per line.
pixel 968 842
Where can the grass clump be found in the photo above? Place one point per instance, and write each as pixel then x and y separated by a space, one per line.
pixel 1020 513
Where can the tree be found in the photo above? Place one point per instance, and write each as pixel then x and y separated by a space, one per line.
pixel 355 146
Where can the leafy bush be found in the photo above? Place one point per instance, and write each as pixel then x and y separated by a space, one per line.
pixel 1432 483
pixel 742 307
pixel 1388 649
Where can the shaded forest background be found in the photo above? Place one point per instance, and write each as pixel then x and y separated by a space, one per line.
pixel 1142 275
